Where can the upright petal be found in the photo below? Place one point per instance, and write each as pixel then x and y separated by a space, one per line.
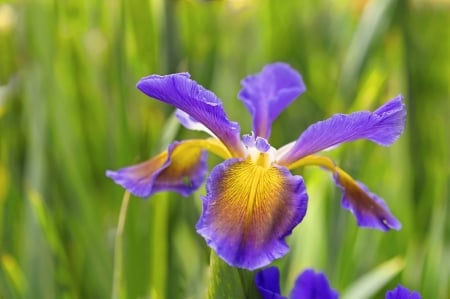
pixel 249 210
pixel 201 104
pixel 181 168
pixel 311 285
pixel 383 126
pixel 268 93
pixel 401 292
pixel 268 283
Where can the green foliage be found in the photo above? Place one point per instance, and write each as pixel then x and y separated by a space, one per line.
pixel 69 111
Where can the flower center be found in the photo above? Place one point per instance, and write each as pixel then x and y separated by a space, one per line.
pixel 259 150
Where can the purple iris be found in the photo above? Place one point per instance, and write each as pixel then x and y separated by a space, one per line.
pixel 400 292
pixel 312 285
pixel 252 200
pixel 309 285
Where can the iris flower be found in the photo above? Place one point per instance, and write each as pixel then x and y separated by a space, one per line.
pixel 252 200
pixel 312 285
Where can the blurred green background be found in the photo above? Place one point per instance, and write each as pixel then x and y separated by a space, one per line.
pixel 69 110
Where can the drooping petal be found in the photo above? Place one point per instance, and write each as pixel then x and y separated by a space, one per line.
pixel 181 168
pixel 383 126
pixel 201 104
pixel 249 210
pixel 268 93
pixel 268 283
pixel 311 285
pixel 368 209
pixel 400 292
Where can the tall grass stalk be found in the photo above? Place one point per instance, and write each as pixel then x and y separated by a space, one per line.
pixel 118 285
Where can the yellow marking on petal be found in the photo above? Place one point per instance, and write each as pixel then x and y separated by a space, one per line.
pixel 150 166
pixel 353 191
pixel 314 160
pixel 254 181
pixel 213 145
pixel 262 159
pixel 184 158
pixel 185 155
pixel 325 162
pixel 253 198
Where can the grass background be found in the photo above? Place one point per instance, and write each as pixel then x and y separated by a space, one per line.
pixel 69 111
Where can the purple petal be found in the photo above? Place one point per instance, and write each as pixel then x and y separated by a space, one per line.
pixel 260 143
pixel 401 292
pixel 383 126
pixel 181 168
pixel 249 210
pixel 190 123
pixel 268 283
pixel 249 140
pixel 201 104
pixel 268 93
pixel 369 209
pixel 311 285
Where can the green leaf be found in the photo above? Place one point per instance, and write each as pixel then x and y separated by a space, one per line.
pixel 229 282
pixel 372 282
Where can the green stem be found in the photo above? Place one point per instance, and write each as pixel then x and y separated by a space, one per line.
pixel 229 282
pixel 159 258
pixel 248 283
pixel 118 288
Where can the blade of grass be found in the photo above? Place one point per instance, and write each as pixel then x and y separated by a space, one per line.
pixel 160 221
pixel 118 286
pixel 224 281
pixel 372 282
pixel 49 229
pixel 376 16
pixel 14 274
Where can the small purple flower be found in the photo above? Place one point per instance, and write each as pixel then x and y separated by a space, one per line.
pixel 400 292
pixel 312 285
pixel 252 200
pixel 309 285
